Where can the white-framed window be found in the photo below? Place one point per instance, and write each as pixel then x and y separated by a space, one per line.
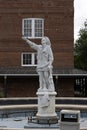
pixel 33 27
pixel 29 59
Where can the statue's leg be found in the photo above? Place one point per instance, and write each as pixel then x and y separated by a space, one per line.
pixel 46 79
pixel 51 84
pixel 40 80
pixel 49 81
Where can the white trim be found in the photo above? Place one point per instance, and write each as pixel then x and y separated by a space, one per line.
pixel 5 74
pixel 22 28
pixel 33 57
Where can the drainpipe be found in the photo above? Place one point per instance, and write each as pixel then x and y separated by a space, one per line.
pixel 56 77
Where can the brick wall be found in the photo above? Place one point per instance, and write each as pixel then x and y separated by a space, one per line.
pixel 58 16
pixel 58 19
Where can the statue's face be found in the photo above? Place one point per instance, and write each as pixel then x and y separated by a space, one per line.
pixel 43 41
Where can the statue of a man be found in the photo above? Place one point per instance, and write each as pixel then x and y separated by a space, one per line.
pixel 44 63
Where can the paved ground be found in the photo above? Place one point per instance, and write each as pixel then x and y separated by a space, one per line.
pixel 22 123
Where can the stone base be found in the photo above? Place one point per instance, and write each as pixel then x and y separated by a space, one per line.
pixel 47 120
pixel 42 124
pixel 46 108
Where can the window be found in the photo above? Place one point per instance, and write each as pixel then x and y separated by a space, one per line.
pixel 80 86
pixel 29 59
pixel 33 27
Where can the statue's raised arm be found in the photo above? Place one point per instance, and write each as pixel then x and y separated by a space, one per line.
pixel 30 43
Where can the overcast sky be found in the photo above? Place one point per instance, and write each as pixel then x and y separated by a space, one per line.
pixel 80 15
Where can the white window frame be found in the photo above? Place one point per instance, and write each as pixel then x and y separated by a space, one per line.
pixel 33 27
pixel 32 59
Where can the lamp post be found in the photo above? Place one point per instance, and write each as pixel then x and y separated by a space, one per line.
pixel 5 86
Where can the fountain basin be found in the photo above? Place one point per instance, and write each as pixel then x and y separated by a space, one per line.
pixel 16 117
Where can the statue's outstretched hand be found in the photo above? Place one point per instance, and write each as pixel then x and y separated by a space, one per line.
pixel 24 38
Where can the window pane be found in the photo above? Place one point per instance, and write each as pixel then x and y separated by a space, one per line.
pixel 35 59
pixel 23 59
pixel 27 28
pixel 26 59
pixel 38 28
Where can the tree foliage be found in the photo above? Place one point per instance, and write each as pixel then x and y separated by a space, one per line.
pixel 80 49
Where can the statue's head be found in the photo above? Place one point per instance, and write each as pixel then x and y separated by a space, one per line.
pixel 45 40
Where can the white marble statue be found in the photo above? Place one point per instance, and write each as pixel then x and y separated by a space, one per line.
pixel 44 63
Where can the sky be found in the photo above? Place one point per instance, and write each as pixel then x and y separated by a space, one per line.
pixel 80 15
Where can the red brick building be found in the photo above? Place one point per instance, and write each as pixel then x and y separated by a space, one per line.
pixel 34 19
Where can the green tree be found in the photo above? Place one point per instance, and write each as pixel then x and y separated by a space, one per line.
pixel 80 49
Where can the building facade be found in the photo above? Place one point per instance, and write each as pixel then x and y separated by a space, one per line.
pixel 35 19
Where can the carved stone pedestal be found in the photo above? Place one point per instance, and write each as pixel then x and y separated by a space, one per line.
pixel 46 107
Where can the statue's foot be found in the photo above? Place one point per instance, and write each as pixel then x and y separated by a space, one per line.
pixel 45 90
pixel 42 90
pixel 51 89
